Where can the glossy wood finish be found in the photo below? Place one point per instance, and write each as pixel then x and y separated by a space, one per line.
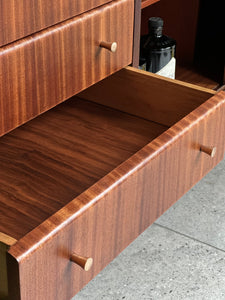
pixel 52 159
pixel 150 96
pixel 20 18
pixel 47 68
pixel 106 217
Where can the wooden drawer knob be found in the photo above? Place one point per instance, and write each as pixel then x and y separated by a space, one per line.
pixel 110 46
pixel 84 262
pixel 211 151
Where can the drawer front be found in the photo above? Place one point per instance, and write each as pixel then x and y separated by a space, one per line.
pixel 45 69
pixel 102 221
pixel 20 18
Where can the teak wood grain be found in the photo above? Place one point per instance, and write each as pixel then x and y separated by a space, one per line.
pixel 40 71
pixel 20 18
pixel 104 219
pixel 150 96
pixel 49 161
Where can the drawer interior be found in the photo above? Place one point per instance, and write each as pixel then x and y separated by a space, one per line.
pixel 149 96
pixel 50 160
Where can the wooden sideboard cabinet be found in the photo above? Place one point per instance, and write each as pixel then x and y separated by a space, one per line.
pixel 92 150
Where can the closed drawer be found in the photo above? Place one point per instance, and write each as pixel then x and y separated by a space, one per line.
pixel 43 70
pixel 90 175
pixel 22 18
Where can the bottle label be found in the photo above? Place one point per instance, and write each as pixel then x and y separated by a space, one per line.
pixel 169 69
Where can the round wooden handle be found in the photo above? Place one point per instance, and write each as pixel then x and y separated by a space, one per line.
pixel 211 151
pixel 84 262
pixel 110 46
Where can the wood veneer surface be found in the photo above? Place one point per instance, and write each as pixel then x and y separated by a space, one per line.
pixel 175 99
pixel 19 18
pixel 103 220
pixel 49 161
pixel 42 70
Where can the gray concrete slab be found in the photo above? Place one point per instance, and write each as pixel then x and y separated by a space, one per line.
pixel 161 264
pixel 201 212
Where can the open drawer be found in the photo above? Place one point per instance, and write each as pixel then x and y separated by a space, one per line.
pixel 87 177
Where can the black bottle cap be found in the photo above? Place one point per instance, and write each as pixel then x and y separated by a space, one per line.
pixel 155 22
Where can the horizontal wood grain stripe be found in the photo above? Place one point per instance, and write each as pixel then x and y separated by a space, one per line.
pixel 20 18
pixel 47 68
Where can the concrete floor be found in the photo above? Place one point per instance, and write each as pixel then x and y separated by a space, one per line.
pixel 181 256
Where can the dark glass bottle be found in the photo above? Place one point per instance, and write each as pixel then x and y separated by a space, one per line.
pixel 157 51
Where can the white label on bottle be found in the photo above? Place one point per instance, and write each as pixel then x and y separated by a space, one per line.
pixel 169 69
